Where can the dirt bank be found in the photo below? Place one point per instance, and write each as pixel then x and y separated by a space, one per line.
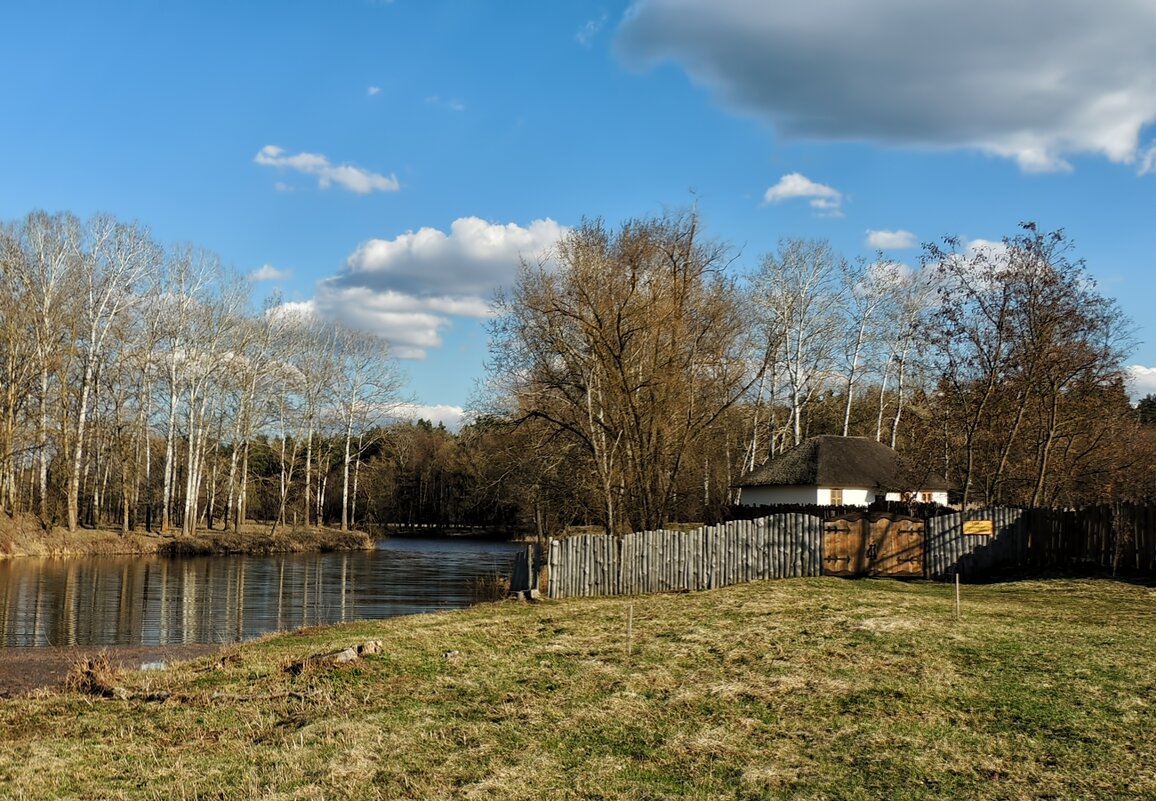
pixel 25 669
pixel 23 535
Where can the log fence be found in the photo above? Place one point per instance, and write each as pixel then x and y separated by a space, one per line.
pixel 977 545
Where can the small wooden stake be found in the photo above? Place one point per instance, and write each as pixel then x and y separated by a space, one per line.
pixel 957 595
pixel 630 630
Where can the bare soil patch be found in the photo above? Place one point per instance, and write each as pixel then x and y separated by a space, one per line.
pixel 25 669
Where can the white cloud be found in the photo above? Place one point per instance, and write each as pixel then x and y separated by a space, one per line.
pixel 471 260
pixel 1148 159
pixel 891 273
pixel 1035 83
pixel 589 31
pixel 355 179
pixel 451 104
pixel 411 325
pixel 374 90
pixel 452 416
pixel 409 288
pixel 891 240
pixel 991 248
pixel 1141 381
pixel 824 199
pixel 267 272
pixel 294 308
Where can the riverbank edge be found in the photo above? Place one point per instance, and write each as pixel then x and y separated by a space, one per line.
pixel 25 538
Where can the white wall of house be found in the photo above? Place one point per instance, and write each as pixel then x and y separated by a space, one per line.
pixel 769 496
pixel 852 496
pixel 936 496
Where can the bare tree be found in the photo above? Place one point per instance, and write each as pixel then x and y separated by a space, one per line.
pixel 47 278
pixel 315 342
pixel 114 258
pixel 901 331
pixel 18 364
pixel 214 323
pixel 866 289
pixel 632 345
pixel 797 292
pixel 1023 343
pixel 370 387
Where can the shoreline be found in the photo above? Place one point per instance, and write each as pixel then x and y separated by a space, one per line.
pixel 26 669
pixel 25 538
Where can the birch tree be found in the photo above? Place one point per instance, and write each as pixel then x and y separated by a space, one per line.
pixel 116 256
pixel 47 276
pixel 866 288
pixel 796 292
pixel 214 324
pixel 18 365
pixel 370 387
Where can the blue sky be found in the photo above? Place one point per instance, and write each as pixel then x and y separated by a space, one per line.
pixel 387 163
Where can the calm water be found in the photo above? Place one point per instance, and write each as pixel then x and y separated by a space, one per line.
pixel 153 601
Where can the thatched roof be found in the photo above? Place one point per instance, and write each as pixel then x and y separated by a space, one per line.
pixel 831 461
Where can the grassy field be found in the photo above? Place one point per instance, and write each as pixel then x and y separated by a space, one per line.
pixel 809 688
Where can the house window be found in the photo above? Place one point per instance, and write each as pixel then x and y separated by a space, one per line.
pixel 926 497
pixel 836 496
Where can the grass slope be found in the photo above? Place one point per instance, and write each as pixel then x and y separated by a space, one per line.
pixel 811 689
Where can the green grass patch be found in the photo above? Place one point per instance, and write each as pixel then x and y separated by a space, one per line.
pixel 810 688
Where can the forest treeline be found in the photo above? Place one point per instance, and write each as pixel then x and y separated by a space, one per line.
pixel 643 377
pixel 634 374
pixel 140 388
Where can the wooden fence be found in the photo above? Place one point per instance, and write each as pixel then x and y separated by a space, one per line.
pixel 664 561
pixel 950 548
pixel 1118 540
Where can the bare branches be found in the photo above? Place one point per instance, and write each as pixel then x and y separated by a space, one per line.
pixel 630 347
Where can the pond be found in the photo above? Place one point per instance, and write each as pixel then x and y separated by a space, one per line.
pixel 219 599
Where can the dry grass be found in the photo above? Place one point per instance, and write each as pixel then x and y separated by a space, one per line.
pixel 24 535
pixel 491 587
pixel 93 675
pixel 812 689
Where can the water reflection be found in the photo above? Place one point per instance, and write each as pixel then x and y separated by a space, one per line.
pixel 153 601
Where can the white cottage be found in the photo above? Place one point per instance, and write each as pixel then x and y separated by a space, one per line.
pixel 838 471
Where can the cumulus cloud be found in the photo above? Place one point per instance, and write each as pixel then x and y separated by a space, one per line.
pixel 990 248
pixel 451 416
pixel 355 179
pixel 267 272
pixel 1141 381
pixel 827 200
pixel 411 287
pixel 469 261
pixel 374 90
pixel 891 240
pixel 1009 77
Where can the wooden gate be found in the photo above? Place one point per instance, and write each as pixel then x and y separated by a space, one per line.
pixel 878 544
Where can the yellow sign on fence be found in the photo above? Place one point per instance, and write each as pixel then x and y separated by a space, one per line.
pixel 977 528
